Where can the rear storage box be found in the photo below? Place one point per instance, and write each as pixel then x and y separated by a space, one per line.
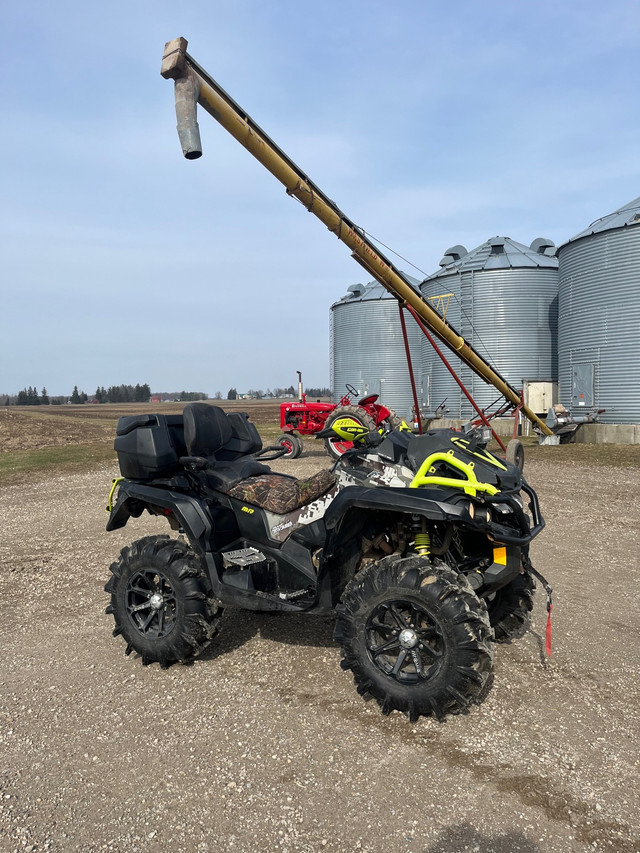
pixel 149 446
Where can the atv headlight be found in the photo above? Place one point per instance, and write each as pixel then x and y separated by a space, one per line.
pixel 479 513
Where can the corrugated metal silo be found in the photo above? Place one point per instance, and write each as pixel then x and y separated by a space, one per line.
pixel 367 347
pixel 502 298
pixel 599 317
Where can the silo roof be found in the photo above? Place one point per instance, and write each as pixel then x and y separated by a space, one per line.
pixel 496 254
pixel 371 292
pixel 627 215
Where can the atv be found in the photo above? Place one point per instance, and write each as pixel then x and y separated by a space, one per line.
pixel 418 543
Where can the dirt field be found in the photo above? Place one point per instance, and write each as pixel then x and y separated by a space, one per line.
pixel 264 745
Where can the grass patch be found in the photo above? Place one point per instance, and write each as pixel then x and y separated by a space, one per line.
pixel 24 465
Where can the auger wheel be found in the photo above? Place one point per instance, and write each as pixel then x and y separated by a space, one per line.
pixel 160 601
pixel 415 637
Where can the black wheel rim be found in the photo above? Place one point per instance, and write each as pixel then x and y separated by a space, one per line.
pixel 151 604
pixel 404 641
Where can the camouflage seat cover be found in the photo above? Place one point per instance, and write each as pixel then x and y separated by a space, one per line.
pixel 280 494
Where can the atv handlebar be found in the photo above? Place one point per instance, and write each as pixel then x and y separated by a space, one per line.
pixel 277 450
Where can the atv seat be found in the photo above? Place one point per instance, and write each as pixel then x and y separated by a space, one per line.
pixel 211 433
pixel 280 494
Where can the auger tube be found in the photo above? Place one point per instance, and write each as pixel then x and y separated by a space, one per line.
pixel 194 86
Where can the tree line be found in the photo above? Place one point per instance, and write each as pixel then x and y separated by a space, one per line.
pixel 232 393
pixel 141 393
pixel 114 394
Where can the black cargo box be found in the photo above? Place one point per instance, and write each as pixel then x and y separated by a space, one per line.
pixel 149 446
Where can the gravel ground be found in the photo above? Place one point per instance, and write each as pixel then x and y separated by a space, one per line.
pixel 264 745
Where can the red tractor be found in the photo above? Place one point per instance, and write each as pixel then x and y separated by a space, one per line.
pixel 302 418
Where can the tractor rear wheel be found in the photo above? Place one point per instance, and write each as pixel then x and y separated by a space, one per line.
pixel 393 421
pixel 416 637
pixel 335 445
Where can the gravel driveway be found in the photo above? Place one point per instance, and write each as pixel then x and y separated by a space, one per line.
pixel 264 745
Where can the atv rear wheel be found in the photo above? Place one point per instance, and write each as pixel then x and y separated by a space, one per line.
pixel 335 445
pixel 510 608
pixel 160 601
pixel 292 442
pixel 415 637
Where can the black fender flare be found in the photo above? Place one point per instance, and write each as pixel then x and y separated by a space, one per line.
pixel 191 515
pixel 414 501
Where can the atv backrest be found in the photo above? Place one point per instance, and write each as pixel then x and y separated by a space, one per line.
pixel 206 429
pixel 244 439
pixel 210 432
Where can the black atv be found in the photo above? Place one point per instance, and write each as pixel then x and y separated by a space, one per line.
pixel 419 544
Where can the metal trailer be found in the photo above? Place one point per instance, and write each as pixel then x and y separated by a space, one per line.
pixel 194 86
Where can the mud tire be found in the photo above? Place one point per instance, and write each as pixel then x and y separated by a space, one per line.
pixel 510 609
pixel 453 648
pixel 183 618
pixel 292 441
pixel 335 447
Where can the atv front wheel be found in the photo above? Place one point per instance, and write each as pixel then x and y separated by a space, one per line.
pixel 415 637
pixel 335 445
pixel 292 443
pixel 159 601
pixel 510 608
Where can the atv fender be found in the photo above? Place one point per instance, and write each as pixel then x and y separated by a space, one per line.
pixel 414 501
pixel 191 516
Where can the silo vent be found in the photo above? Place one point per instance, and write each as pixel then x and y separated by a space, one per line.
pixel 497 245
pixel 543 246
pixel 452 255
pixel 356 290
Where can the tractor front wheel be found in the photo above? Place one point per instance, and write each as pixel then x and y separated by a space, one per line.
pixel 292 443
pixel 335 445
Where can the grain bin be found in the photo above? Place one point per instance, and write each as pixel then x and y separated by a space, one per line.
pixel 367 347
pixel 599 317
pixel 502 298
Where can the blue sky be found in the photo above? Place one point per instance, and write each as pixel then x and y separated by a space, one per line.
pixel 429 123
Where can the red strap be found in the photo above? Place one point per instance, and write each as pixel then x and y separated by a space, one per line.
pixel 549 609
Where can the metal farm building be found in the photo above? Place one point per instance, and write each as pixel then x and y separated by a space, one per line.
pixel 367 347
pixel 599 317
pixel 502 298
